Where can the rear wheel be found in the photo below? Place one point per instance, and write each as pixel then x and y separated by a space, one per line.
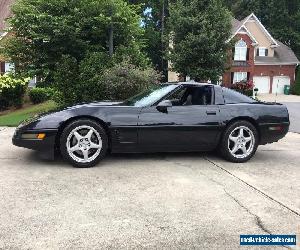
pixel 239 142
pixel 83 143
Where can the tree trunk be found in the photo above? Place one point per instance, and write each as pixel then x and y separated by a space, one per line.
pixel 111 35
pixel 163 45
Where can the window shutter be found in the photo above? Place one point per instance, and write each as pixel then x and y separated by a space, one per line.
pixel 266 52
pixel 248 76
pixel 248 53
pixel 233 52
pixel 257 52
pixel 232 76
pixel 2 67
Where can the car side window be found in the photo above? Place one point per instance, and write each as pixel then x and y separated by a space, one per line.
pixel 192 95
pixel 234 97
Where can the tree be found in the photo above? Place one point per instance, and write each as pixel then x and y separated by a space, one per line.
pixel 45 31
pixel 154 15
pixel 200 33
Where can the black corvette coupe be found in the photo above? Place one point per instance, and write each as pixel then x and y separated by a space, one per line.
pixel 168 118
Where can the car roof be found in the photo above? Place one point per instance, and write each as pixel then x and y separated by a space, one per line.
pixel 190 83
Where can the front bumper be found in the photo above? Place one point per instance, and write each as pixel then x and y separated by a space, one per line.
pixel 45 145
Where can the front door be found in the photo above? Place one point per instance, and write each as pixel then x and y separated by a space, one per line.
pixel 192 123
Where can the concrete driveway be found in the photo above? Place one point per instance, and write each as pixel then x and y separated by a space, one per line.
pixel 161 201
pixel 279 98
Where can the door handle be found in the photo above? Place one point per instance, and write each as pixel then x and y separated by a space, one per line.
pixel 211 112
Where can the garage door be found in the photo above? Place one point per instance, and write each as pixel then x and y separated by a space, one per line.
pixel 278 84
pixel 262 83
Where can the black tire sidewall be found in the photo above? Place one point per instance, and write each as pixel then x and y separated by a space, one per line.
pixel 224 142
pixel 73 125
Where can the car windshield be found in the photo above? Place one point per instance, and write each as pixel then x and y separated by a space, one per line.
pixel 150 96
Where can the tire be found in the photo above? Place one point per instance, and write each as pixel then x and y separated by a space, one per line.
pixel 83 143
pixel 237 147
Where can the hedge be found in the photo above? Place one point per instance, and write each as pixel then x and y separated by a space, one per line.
pixel 39 95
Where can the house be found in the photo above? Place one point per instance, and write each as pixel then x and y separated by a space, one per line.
pixel 5 6
pixel 258 57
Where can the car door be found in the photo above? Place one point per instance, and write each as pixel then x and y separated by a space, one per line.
pixel 182 127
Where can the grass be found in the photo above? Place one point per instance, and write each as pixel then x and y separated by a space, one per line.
pixel 15 117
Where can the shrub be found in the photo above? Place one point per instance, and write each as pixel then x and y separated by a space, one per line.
pixel 125 80
pixel 12 91
pixel 99 78
pixel 39 95
pixel 244 87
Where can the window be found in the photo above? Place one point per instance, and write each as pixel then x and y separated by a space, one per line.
pixel 233 97
pixel 240 53
pixel 262 51
pixel 150 96
pixel 192 95
pixel 9 67
pixel 239 76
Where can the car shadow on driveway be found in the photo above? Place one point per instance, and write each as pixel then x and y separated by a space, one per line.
pixel 36 158
pixel 128 158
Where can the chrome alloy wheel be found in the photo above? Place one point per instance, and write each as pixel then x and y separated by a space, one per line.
pixel 241 142
pixel 84 144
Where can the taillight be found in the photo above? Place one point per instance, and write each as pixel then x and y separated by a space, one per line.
pixel 276 128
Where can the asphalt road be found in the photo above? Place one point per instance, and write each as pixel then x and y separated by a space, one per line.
pixel 160 201
pixel 294 111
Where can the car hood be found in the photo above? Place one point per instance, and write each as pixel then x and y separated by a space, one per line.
pixel 93 104
pixel 69 108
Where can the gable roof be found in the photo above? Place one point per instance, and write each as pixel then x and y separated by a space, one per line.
pixel 239 25
pixel 283 55
pixel 5 12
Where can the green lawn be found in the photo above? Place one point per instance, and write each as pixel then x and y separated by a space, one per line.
pixel 14 118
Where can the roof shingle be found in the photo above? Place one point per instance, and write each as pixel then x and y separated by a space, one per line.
pixel 282 55
pixel 236 24
pixel 5 12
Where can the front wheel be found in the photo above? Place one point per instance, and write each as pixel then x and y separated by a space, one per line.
pixel 239 142
pixel 83 143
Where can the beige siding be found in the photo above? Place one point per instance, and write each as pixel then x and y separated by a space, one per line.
pixel 173 76
pixel 260 36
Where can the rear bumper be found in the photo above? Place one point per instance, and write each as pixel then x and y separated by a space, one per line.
pixel 47 145
pixel 270 132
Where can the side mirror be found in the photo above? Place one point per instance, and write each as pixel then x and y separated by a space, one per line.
pixel 163 106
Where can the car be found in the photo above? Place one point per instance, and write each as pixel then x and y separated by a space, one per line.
pixel 171 117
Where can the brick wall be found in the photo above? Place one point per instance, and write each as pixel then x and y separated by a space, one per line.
pixel 249 63
pixel 275 70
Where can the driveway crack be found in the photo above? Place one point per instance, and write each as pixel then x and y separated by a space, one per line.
pixel 258 220
pixel 254 188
